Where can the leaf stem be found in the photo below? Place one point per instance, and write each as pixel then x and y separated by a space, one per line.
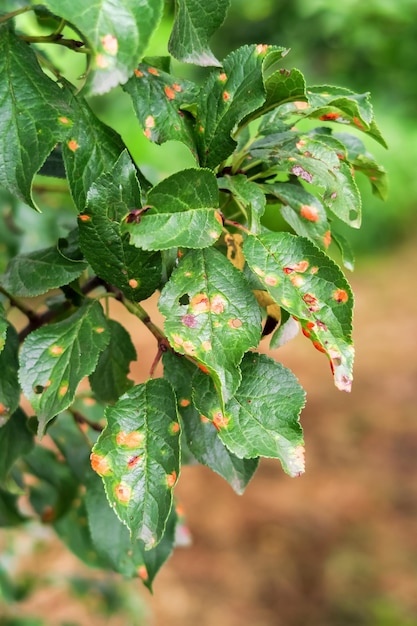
pixel 72 44
pixel 9 16
pixel 81 419
pixel 17 304
pixel 237 225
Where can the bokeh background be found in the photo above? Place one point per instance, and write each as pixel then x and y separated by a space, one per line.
pixel 338 546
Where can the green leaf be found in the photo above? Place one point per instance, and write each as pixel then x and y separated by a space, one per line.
pixel 135 272
pixel 211 315
pixel 159 101
pixel 201 436
pixel 31 107
pixel 72 443
pixel 182 213
pixel 337 104
pixel 248 196
pixel 35 273
pixel 227 97
pixel 9 510
pixel 262 418
pixel 55 358
pixel 116 32
pixel 109 380
pixel 3 328
pixel 195 23
pixel 91 147
pixel 284 86
pixel 302 211
pixel 310 286
pixel 9 384
pixel 138 457
pixel 15 441
pixel 119 552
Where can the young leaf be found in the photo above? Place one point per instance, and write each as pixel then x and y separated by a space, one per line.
pixel 310 286
pixel 31 107
pixel 227 97
pixel 55 358
pixel 182 213
pixel 113 543
pixel 29 275
pixel 262 418
pixel 195 23
pixel 15 441
pixel 9 384
pixel 201 436
pixel 90 148
pixel 109 380
pixel 211 315
pixel 135 272
pixel 138 457
pixel 158 100
pixel 248 196
pixel 116 32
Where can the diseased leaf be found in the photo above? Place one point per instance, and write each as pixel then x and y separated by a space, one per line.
pixel 248 196
pixel 138 457
pixel 228 96
pixel 15 441
pixel 35 273
pixel 55 358
pixel 195 23
pixel 117 32
pixel 201 435
pixel 9 384
pixel 90 149
pixel 182 213
pixel 211 315
pixel 109 379
pixel 108 250
pixel 119 552
pixel 262 417
pixel 31 109
pixel 284 86
pixel 311 287
pixel 159 101
pixel 302 211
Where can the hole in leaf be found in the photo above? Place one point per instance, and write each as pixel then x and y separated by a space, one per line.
pixel 184 300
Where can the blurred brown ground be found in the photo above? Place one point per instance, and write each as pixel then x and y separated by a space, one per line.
pixel 335 547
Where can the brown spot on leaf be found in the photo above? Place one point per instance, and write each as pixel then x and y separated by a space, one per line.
pixel 200 303
pixel 185 402
pixel 73 145
pixel 226 96
pixel 189 320
pixel 56 350
pixel 271 280
pixel 133 283
pixel 123 493
pixel 218 304
pixel 110 44
pixel 143 573
pixel 100 464
pixel 220 420
pixel 327 238
pixel 134 439
pixel 63 390
pixel 235 323
pixel 133 461
pixel 84 218
pixel 174 428
pixel 169 92
pixel 138 73
pixel 341 296
pixel 171 479
pixel 153 71
pixel 309 213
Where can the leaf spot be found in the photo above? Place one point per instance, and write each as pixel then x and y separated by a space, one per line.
pixel 311 301
pixel 134 439
pixel 261 48
pixel 101 61
pixel 204 419
pixel 206 346
pixel 138 73
pixel 188 347
pixel 4 410
pixel 235 323
pixel 226 96
pixel 297 281
pixel 327 239
pixel 258 271
pixel 133 461
pixel 148 133
pixel 133 283
pixel 200 303
pixel 123 493
pixel 220 420
pixel 56 350
pixel 341 296
pixel 150 121
pixel 153 71
pixel 73 145
pixel 177 340
pixel 177 87
pixel 169 92
pixel 99 330
pixel 297 170
pixel 272 281
pixel 185 402
pixel 63 389
pixel 213 234
pixel 222 77
pixel 314 270
pixel 301 267
pixel 110 44
pixel 143 573
pixel 174 428
pixel 218 304
pixel 84 218
pixel 64 120
pixel 309 213
pixel 171 479
pixel 189 320
pixel 100 464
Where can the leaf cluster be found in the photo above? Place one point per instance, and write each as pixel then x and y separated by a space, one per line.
pixel 262 141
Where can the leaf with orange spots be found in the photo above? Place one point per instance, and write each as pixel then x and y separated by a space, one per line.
pixel 205 292
pixel 117 34
pixel 200 435
pixel 217 115
pixel 183 213
pixel 110 377
pixel 112 541
pixel 141 492
pixel 55 358
pixel 106 246
pixel 304 281
pixel 9 384
pixel 159 102
pixel 195 23
pixel 30 105
pixel 262 417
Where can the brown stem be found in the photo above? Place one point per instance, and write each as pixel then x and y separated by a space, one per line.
pixel 81 419
pixel 72 44
pixel 237 225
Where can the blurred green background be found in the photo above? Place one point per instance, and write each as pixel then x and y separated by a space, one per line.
pixel 351 558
